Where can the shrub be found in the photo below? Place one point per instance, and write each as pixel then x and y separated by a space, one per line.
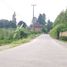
pixel 55 32
pixel 20 33
pixel 63 38
pixel 57 29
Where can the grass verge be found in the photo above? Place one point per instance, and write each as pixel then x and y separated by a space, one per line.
pixel 22 41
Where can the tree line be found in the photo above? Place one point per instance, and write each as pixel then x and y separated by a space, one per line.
pixel 46 25
pixel 60 25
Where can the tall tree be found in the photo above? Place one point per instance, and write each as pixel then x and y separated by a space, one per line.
pixel 60 25
pixel 41 19
pixel 34 20
pixel 49 25
pixel 60 19
pixel 22 23
pixel 7 24
pixel 14 18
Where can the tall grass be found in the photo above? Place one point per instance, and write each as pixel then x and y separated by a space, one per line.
pixel 6 35
pixel 15 36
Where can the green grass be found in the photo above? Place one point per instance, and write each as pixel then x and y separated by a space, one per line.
pixel 6 37
pixel 5 42
pixel 24 40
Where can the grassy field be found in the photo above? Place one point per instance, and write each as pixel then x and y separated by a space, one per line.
pixel 6 37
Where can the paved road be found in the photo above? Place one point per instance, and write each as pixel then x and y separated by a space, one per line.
pixel 41 52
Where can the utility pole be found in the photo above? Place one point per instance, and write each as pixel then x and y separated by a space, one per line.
pixel 33 9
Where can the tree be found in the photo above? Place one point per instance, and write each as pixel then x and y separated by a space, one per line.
pixel 34 20
pixel 60 24
pixel 22 23
pixel 41 19
pixel 49 25
pixel 7 24
pixel 14 18
pixel 12 24
pixel 61 18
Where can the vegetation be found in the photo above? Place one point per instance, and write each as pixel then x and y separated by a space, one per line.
pixel 46 26
pixel 13 33
pixel 60 25
pixel 31 35
pixel 49 25
pixel 7 24
pixel 15 36
pixel 22 23
pixel 42 19
pixel 6 35
pixel 10 32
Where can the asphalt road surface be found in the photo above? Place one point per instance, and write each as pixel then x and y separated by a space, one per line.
pixel 40 52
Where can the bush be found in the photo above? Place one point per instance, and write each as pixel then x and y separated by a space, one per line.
pixel 44 30
pixel 55 32
pixel 57 29
pixel 63 38
pixel 20 33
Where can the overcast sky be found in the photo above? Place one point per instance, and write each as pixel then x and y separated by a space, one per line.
pixel 23 9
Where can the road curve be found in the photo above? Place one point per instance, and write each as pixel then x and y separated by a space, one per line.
pixel 40 52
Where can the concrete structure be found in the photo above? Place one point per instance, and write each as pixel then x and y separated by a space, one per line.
pixel 63 33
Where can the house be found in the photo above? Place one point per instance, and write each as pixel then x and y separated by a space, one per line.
pixel 36 26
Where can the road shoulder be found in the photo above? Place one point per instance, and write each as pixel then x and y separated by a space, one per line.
pixel 61 43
